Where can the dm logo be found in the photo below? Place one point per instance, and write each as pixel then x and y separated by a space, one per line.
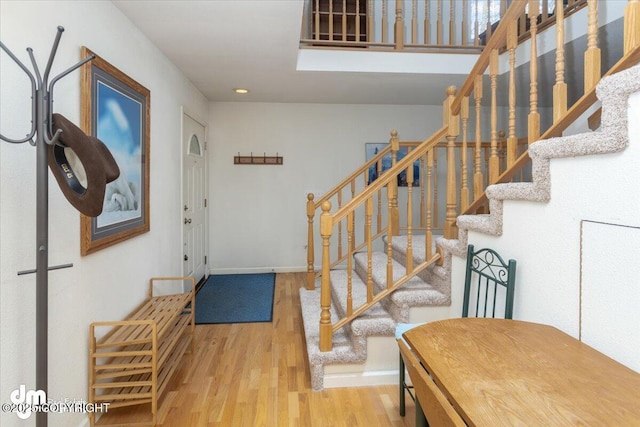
pixel 25 401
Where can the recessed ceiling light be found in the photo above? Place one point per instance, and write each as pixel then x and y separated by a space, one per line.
pixel 241 90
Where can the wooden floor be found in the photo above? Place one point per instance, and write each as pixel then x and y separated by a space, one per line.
pixel 257 374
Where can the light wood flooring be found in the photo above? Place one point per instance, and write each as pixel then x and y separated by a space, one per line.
pixel 257 374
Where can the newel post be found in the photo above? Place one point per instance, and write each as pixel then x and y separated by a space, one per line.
pixel 399 26
pixel 450 228
pixel 392 187
pixel 326 330
pixel 311 211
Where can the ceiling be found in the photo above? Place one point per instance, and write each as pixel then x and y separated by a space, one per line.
pixel 224 44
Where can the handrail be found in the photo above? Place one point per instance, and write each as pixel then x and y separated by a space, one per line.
pixel 570 8
pixel 391 173
pixel 580 106
pixel 354 175
pixel 379 296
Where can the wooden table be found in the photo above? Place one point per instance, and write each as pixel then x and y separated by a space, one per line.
pixel 511 373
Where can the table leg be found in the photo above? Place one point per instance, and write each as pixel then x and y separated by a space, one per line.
pixel 421 420
pixel 402 392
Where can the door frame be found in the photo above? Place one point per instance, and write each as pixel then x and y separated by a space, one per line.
pixel 185 111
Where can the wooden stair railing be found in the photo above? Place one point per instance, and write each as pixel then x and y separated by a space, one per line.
pixel 351 182
pixel 362 204
pixel 456 107
pixel 358 181
pixel 630 59
pixel 563 117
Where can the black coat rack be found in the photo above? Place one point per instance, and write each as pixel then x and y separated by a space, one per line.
pixel 41 136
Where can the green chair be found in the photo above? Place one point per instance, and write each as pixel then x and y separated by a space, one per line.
pixel 488 292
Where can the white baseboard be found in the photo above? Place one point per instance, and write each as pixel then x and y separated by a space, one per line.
pixel 256 270
pixel 361 379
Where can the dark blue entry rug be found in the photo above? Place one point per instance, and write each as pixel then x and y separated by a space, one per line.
pixel 236 298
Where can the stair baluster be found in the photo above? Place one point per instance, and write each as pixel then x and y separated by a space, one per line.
pixel 350 244
pixel 370 24
pixel 452 121
pixel 592 70
pixel 392 187
pixel 560 88
pixel 452 25
pixel 391 195
pixel 385 21
pixel 399 26
pixel 489 30
pixel 423 215
pixel 427 27
pixel 464 186
pixel 429 233
pixel 409 250
pixel 494 166
pixel 512 140
pixel 476 31
pixel 340 252
pixel 436 207
pixel 414 21
pixel 439 24
pixel 311 210
pixel 478 180
pixel 465 18
pixel 534 116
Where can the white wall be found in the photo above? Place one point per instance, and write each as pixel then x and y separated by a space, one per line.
pixel 552 286
pixel 108 284
pixel 262 224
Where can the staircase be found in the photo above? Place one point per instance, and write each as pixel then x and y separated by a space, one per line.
pixel 395 270
pixel 430 288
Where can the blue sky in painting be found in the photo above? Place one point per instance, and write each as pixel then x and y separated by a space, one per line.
pixel 119 120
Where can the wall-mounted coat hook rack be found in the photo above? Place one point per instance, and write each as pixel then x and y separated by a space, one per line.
pixel 41 136
pixel 257 160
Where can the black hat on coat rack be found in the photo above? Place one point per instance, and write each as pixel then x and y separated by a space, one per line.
pixel 52 135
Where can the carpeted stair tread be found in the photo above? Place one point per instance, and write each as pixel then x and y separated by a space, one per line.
pixel 375 321
pixel 399 243
pixel 343 351
pixel 379 271
pixel 399 252
pixel 415 292
pixel 339 290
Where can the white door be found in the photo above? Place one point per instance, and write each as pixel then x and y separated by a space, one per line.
pixel 194 199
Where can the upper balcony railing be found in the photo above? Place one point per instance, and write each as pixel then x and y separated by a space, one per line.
pixel 442 25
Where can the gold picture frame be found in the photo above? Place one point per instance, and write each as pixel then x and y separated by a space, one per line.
pixel 116 109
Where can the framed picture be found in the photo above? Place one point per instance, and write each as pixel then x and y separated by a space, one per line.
pixel 371 150
pixel 116 110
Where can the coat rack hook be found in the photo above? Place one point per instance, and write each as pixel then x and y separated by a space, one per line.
pixel 53 139
pixel 52 55
pixel 31 134
pixel 35 67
